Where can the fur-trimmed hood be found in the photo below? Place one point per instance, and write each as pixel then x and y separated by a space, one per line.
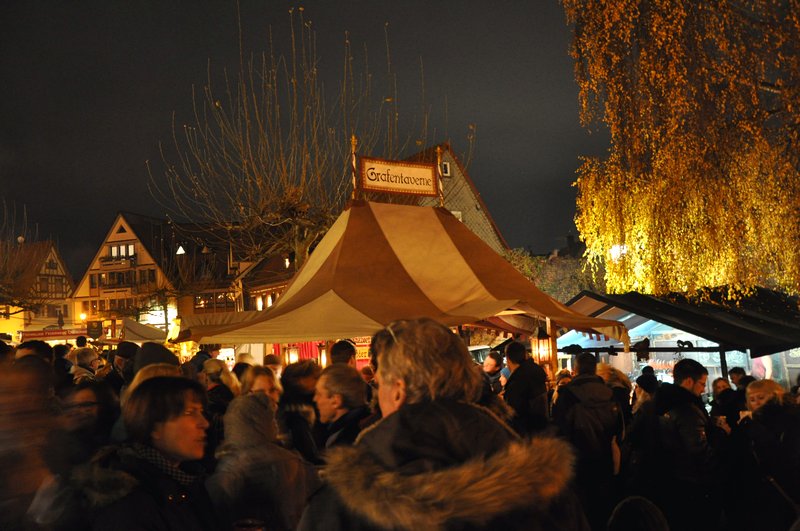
pixel 101 482
pixel 404 491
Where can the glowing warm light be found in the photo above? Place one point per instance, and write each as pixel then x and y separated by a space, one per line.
pixel 294 355
pixel 259 303
pixel 83 316
pixel 618 251
pixel 180 250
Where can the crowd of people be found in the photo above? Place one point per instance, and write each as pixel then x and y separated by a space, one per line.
pixel 421 438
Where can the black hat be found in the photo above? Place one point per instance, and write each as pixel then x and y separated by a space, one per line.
pixel 151 353
pixel 126 350
pixel 648 382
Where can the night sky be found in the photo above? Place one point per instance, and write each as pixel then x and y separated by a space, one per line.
pixel 89 89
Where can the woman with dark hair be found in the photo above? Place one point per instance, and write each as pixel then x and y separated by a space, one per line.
pixel 297 414
pixel 150 483
pixel 437 460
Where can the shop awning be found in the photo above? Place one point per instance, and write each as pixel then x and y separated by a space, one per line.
pixel 140 332
pixel 381 262
pixel 761 323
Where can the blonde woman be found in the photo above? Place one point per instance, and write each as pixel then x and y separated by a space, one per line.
pixel 257 379
pixel 437 460
pixel 766 446
pixel 215 374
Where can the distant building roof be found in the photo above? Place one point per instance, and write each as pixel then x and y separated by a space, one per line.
pixel 466 198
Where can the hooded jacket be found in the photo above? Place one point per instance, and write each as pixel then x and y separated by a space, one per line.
pixel 256 478
pixel 445 465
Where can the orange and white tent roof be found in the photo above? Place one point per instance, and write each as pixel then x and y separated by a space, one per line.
pixel 381 262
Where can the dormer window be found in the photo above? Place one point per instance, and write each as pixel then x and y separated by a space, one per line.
pixel 125 250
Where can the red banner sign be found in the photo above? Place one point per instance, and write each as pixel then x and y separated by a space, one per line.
pixel 53 333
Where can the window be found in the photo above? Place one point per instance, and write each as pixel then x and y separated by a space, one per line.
pixel 112 304
pixel 94 306
pixel 215 302
pixel 59 286
pixel 85 306
pixel 93 281
pixel 124 250
pixel 65 310
pixel 151 276
pixel 44 284
pixel 102 305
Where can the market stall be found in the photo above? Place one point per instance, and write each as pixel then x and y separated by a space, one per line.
pixel 380 262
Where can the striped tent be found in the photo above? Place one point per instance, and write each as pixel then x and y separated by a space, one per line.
pixel 381 262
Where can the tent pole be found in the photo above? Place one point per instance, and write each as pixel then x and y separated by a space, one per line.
pixel 723 363
pixel 551 332
pixel 354 164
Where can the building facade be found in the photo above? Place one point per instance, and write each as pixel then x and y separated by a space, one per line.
pixel 36 279
pixel 150 270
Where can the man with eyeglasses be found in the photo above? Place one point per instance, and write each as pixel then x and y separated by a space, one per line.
pixel 88 363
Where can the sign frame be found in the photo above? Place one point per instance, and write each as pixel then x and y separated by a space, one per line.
pixel 427 190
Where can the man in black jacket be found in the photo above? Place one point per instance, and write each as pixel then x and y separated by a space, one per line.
pixel 525 391
pixel 588 416
pixel 681 466
pixel 340 398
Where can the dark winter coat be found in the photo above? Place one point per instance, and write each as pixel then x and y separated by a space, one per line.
pixel 118 490
pixel 683 435
pixel 344 430
pixel 219 397
pixel 526 393
pixel 296 421
pixel 765 454
pixel 592 438
pixel 445 465
pixel 264 482
pixel 494 382
pixel 255 478
pixel 688 490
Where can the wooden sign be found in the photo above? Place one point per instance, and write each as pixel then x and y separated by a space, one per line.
pixel 395 177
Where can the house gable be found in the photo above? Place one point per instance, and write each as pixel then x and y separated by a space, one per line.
pixel 462 198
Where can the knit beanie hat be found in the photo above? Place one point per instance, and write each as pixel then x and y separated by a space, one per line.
pixel 153 353
pixel 126 350
pixel 648 382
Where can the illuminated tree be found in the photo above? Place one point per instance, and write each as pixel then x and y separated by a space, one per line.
pixel 267 162
pixel 561 277
pixel 702 101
